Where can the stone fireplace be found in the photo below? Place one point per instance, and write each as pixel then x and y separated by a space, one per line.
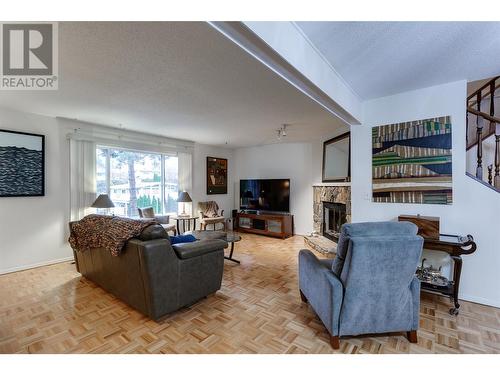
pixel 330 194
pixel 331 208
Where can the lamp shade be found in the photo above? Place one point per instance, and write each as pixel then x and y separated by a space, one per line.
pixel 184 197
pixel 103 201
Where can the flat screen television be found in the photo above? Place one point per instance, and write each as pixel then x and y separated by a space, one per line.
pixel 265 195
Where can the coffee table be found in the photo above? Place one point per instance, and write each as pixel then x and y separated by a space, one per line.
pixel 232 237
pixel 229 236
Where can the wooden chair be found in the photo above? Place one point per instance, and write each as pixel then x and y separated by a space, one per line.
pixel 209 215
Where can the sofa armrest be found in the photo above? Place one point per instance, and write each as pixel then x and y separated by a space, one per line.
pixel 193 249
pixel 160 274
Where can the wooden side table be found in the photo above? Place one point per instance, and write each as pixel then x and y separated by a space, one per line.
pixel 185 220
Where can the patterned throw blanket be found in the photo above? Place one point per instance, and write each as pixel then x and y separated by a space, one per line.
pixel 209 209
pixel 109 232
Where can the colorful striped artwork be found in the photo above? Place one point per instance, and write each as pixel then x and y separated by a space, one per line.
pixel 411 162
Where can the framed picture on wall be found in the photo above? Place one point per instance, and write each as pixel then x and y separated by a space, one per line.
pixel 22 164
pixel 216 175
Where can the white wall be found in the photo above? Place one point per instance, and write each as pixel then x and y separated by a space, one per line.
pixel 33 230
pixel 475 209
pixel 283 160
pixel 225 201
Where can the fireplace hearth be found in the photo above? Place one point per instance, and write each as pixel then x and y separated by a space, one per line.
pixel 334 215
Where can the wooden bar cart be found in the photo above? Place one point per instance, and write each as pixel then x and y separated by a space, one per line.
pixel 455 246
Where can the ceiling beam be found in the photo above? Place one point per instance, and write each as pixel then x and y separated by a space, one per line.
pixel 265 42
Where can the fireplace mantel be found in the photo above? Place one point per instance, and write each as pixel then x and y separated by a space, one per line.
pixel 332 184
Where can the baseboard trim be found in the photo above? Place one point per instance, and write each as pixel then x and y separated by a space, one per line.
pixel 35 265
pixel 479 300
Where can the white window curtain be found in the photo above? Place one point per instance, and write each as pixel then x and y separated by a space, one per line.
pixel 82 177
pixel 185 166
pixel 84 137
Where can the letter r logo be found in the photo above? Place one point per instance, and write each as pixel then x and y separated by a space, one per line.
pixel 27 49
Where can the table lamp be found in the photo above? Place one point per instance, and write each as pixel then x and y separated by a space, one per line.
pixel 103 201
pixel 184 197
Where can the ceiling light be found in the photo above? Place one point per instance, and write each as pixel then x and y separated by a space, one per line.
pixel 281 132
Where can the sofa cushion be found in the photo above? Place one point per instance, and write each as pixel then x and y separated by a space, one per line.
pixel 371 229
pixel 182 238
pixel 153 232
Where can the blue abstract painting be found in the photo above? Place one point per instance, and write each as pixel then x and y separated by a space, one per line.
pixel 411 162
pixel 22 164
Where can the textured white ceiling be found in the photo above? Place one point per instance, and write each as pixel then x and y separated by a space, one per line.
pixel 384 58
pixel 181 80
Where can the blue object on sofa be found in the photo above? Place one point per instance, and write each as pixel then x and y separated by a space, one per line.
pixel 182 238
pixel 370 286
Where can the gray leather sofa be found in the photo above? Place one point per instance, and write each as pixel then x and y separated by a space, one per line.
pixel 153 276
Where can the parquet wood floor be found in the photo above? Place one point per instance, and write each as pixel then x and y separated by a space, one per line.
pixel 258 310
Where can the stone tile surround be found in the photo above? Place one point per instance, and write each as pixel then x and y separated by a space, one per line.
pixel 340 193
pixel 333 193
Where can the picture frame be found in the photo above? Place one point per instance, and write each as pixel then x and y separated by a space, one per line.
pixel 412 162
pixel 216 175
pixel 331 149
pixel 22 164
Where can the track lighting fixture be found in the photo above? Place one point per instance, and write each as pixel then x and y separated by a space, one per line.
pixel 281 132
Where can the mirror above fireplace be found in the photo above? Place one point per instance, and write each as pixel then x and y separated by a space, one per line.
pixel 337 159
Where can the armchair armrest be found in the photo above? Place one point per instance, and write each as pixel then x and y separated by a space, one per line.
pixel 323 289
pixel 221 213
pixel 193 249
pixel 163 219
pixel 415 289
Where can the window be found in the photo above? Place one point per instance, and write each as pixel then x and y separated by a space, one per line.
pixel 137 179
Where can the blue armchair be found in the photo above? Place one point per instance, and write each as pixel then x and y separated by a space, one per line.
pixel 370 286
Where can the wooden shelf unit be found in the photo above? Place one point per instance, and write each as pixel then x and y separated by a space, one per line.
pixel 268 224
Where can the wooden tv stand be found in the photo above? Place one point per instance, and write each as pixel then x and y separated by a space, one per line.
pixel 268 224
